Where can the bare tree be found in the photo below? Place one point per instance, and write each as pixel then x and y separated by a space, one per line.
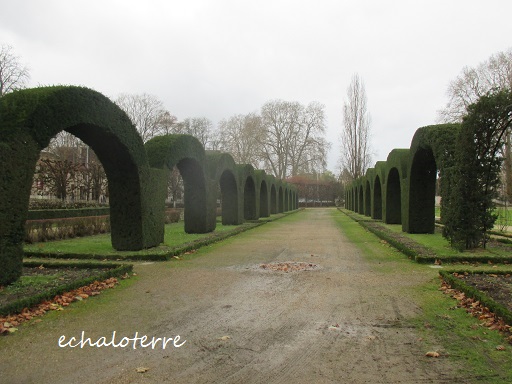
pixel 166 123
pixel 308 148
pixel 292 140
pixel 146 112
pixel 240 136
pixel 355 136
pixel 473 83
pixel 13 75
pixel 199 127
pixel 469 86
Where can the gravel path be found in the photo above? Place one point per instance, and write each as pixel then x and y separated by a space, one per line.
pixel 340 321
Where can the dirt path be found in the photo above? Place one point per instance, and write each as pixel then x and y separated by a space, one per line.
pixel 343 322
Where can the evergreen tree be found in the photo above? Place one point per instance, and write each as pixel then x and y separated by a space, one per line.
pixel 475 178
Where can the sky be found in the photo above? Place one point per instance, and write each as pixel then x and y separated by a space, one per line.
pixel 219 58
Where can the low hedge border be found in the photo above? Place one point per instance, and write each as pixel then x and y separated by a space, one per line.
pixel 45 214
pixel 418 252
pixel 162 256
pixel 405 245
pixel 167 255
pixel 459 284
pixel 113 270
pixel 64 228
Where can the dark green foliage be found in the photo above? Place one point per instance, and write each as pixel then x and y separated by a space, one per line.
pixel 432 150
pixel 263 192
pixel 137 175
pixel 44 214
pixel 475 177
pixel 28 120
pixel 250 199
pixel 273 199
pixel 393 198
pixel 422 189
pixel 222 169
pixel 187 153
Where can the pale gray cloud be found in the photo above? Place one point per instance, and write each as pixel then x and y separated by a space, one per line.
pixel 224 57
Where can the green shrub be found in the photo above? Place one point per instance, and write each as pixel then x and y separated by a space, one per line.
pixel 44 214
pixel 57 229
pixel 172 215
pixel 36 204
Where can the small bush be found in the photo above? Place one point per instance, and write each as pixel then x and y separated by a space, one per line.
pixel 35 204
pixel 56 229
pixel 172 215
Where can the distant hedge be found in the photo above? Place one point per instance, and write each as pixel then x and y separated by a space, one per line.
pixel 65 228
pixel 44 214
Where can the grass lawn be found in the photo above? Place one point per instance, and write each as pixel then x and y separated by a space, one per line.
pixel 174 237
pixel 176 242
pixel 442 247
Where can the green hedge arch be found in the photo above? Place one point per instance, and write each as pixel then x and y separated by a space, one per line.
pixel 224 173
pixel 262 188
pixel 188 154
pixel 28 120
pixel 274 206
pixel 432 150
pixel 395 186
pixel 250 194
pixel 405 183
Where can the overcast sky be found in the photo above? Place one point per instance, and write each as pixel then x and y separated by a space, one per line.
pixel 218 58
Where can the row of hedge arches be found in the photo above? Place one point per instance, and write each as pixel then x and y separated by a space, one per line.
pixel 401 190
pixel 137 173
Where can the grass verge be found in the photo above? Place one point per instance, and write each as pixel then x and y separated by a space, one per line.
pixel 430 248
pixel 441 325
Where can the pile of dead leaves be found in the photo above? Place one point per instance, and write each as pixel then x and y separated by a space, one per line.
pixel 9 323
pixel 289 266
pixel 478 310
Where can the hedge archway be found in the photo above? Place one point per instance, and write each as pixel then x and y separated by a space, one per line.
pixel 273 199
pixel 280 199
pixel 422 192
pixel 223 171
pixel 187 153
pixel 367 200
pixel 361 200
pixel 377 199
pixel 250 199
pixel 229 198
pixel 28 120
pixel 393 198
pixel 264 200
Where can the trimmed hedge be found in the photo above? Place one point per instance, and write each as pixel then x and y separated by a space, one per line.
pixel 55 204
pixel 112 270
pixel 418 252
pixel 222 169
pixel 64 228
pixel 474 293
pixel 28 120
pixel 45 214
pixel 137 174
pixel 187 153
pixel 407 181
